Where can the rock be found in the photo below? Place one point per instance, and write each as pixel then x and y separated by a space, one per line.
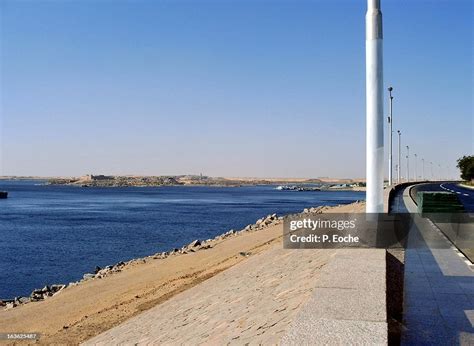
pixel 97 269
pixel 228 233
pixel 2 303
pixel 245 254
pixel 58 287
pixel 248 228
pixel 24 300
pixel 45 289
pixel 37 294
pixel 88 276
pixel 10 305
pixel 194 243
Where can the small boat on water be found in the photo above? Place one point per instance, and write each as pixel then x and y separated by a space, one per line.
pixel 3 194
pixel 297 188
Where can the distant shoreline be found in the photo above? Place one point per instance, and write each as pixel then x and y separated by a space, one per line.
pixel 190 178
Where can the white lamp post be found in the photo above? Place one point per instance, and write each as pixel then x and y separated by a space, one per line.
pixel 390 131
pixel 399 156
pixel 408 163
pixel 416 177
pixel 374 101
pixel 422 169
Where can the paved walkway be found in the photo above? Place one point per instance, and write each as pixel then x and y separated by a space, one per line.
pixel 252 302
pixel 348 307
pixel 439 289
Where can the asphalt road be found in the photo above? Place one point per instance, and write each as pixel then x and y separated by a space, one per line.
pixel 466 196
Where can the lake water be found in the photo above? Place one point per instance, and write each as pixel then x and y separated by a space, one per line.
pixel 55 234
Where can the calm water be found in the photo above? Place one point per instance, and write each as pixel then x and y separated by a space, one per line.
pixel 54 234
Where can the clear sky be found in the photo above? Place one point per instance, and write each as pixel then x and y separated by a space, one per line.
pixel 226 88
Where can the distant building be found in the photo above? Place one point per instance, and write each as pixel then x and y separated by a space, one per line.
pixel 91 177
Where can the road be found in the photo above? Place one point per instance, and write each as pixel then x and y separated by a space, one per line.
pixel 465 195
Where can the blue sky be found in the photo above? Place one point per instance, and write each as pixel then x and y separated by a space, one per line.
pixel 226 88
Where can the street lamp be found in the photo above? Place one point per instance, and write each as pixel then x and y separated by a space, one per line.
pixel 416 177
pixel 390 131
pixel 422 169
pixel 374 107
pixel 399 156
pixel 408 163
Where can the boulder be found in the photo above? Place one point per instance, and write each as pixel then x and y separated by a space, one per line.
pixel 24 300
pixel 195 243
pixel 88 276
pixel 10 305
pixel 58 287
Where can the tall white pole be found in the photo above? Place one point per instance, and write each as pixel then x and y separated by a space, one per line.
pixel 399 156
pixel 416 177
pixel 390 131
pixel 408 163
pixel 374 104
pixel 422 169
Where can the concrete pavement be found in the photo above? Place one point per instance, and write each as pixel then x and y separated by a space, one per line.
pixel 438 289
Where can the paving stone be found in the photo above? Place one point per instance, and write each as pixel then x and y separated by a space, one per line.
pixel 336 332
pixel 253 302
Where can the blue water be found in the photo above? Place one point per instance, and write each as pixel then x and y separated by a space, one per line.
pixel 54 234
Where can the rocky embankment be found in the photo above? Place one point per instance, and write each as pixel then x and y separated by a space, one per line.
pixel 115 181
pixel 197 245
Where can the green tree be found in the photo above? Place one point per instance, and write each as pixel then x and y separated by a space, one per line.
pixel 466 166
